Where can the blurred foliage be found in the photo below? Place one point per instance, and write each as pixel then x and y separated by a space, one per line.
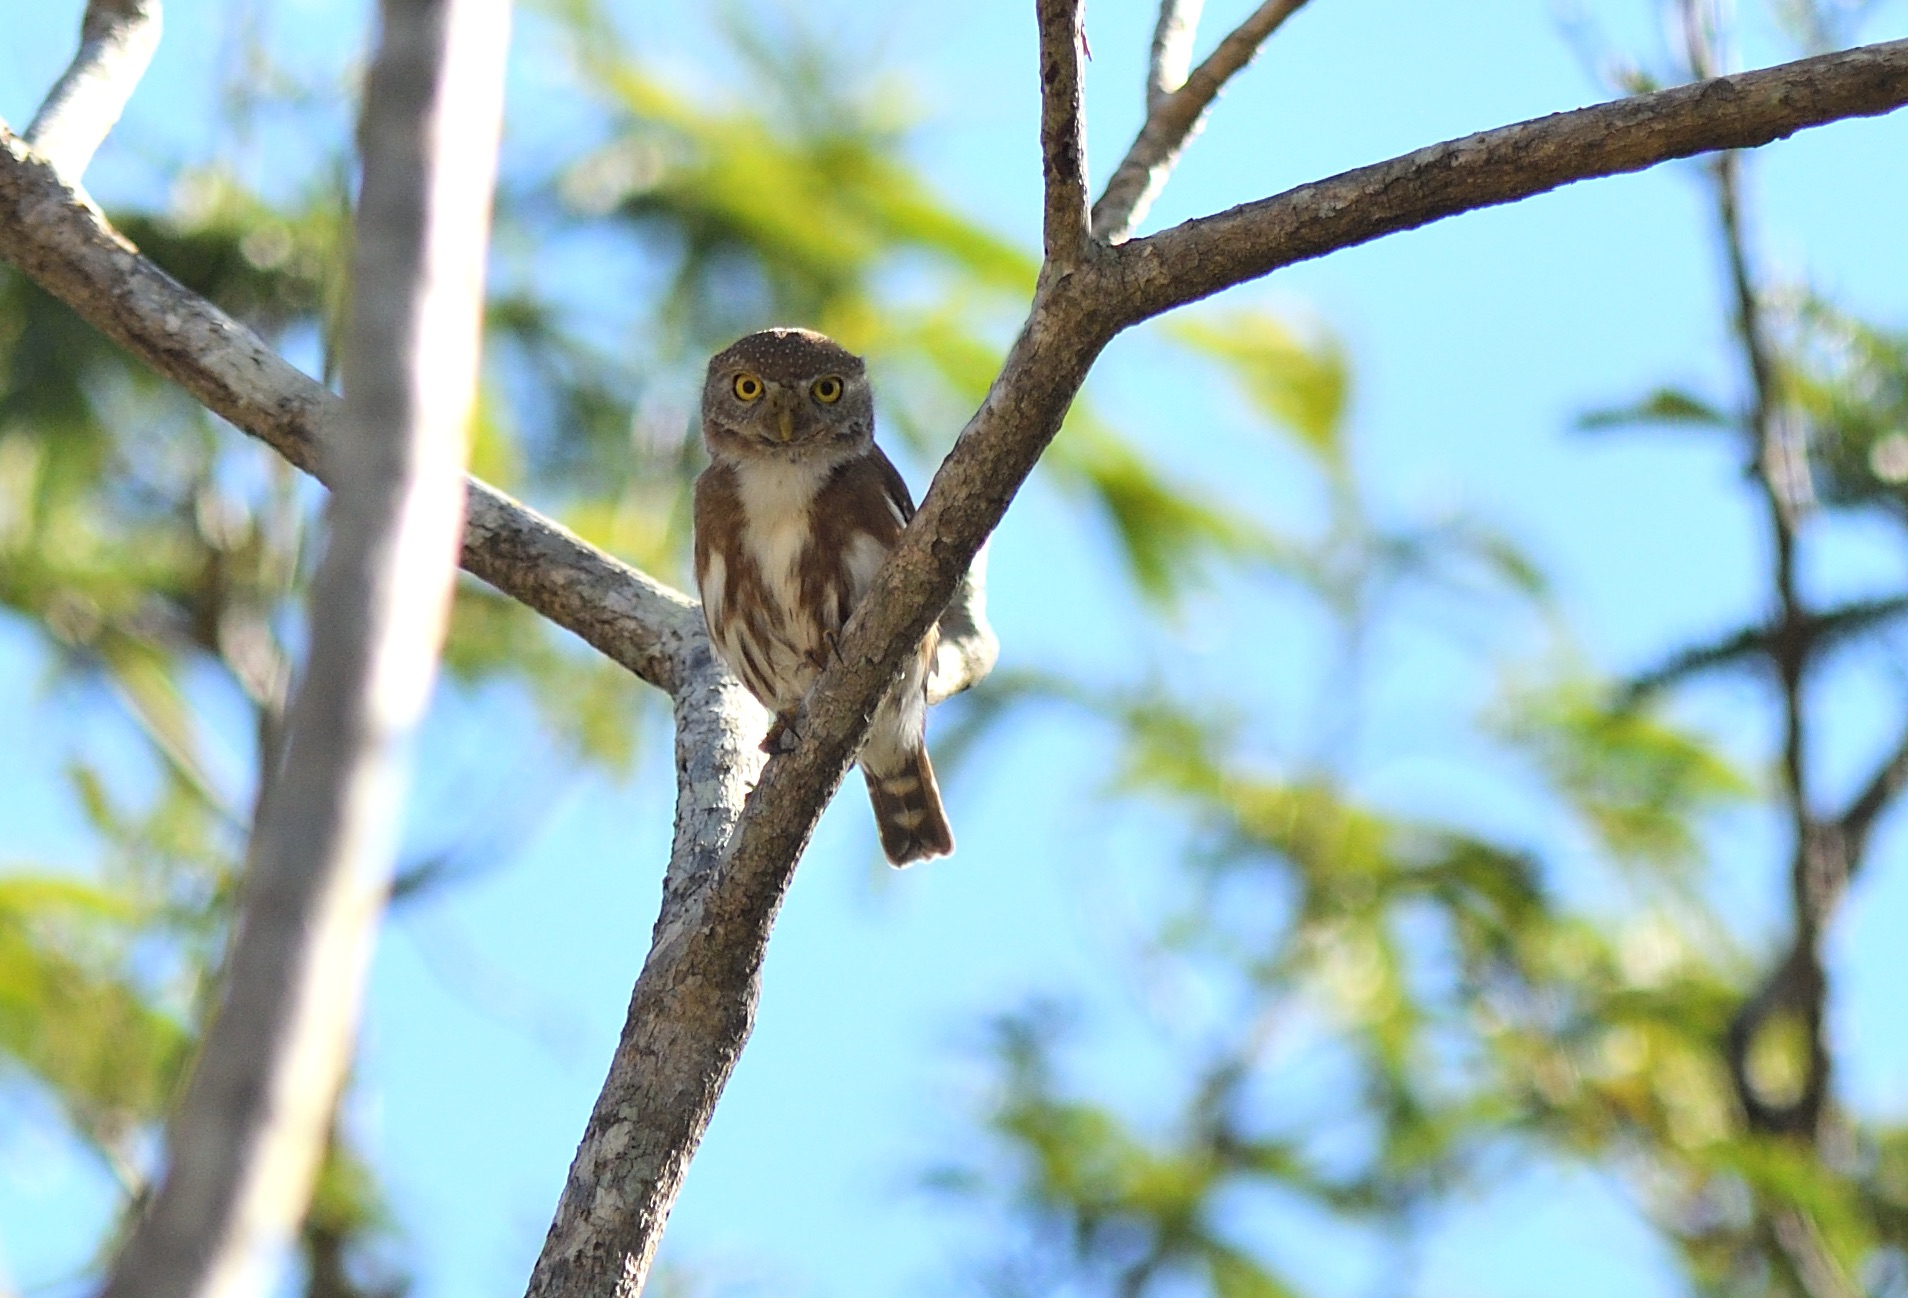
pixel 1302 384
pixel 1355 1016
pixel 1393 1012
pixel 1640 786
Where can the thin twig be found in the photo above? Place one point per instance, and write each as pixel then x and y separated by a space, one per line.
pixel 117 42
pixel 1175 117
pixel 1818 854
pixel 1062 133
pixel 1817 1269
pixel 1857 823
pixel 244 1147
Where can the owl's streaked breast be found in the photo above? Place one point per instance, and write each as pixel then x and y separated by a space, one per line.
pixel 785 549
pixel 755 554
pixel 777 500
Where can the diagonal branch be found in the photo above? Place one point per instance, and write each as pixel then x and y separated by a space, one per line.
pixel 244 1145
pixel 117 42
pixel 56 235
pixel 1857 823
pixel 1176 112
pixel 1744 111
pixel 1063 132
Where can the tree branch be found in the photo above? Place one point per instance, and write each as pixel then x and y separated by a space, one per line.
pixel 1062 132
pixel 1201 257
pixel 1819 856
pixel 117 41
pixel 244 1145
pixel 689 1016
pixel 1176 112
pixel 1171 55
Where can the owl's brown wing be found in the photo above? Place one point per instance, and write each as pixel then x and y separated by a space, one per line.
pixel 865 498
pixel 856 518
pixel 892 483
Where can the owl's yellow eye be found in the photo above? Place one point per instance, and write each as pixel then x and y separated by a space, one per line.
pixel 748 387
pixel 826 390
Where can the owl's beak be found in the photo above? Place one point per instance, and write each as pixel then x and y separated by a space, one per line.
pixel 785 425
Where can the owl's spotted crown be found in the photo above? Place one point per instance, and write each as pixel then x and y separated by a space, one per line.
pixel 786 356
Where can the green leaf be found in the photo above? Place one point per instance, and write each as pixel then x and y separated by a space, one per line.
pixel 1300 383
pixel 1167 534
pixel 1640 784
pixel 70 1020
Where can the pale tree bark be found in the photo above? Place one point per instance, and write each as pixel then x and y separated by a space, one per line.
pixel 738 836
pixel 1171 56
pixel 117 41
pixel 244 1146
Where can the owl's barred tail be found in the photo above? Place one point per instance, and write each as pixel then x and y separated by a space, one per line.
pixel 908 812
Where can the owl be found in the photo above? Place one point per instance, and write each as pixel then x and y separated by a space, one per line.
pixel 793 516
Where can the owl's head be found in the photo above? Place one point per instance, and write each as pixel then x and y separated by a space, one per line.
pixel 786 394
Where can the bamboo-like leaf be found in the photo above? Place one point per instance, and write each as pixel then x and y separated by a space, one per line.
pixel 1165 532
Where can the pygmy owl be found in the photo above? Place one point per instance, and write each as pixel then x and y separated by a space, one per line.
pixel 794 514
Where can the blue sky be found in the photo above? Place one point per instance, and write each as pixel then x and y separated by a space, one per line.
pixel 1475 344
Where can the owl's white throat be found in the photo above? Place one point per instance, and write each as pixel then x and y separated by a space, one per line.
pixel 776 496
